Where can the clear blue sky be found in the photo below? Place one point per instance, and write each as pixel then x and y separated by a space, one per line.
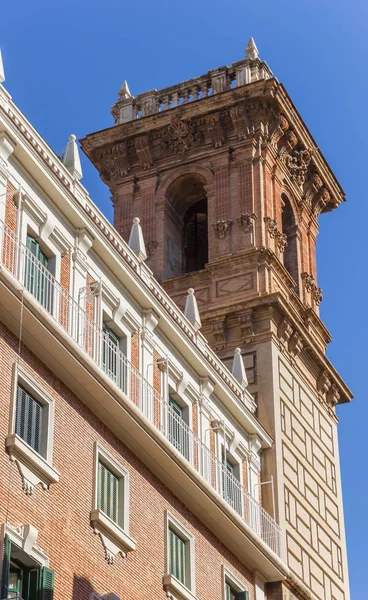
pixel 65 62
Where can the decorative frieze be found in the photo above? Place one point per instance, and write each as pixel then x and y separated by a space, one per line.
pixel 222 228
pixel 181 135
pixel 240 122
pixel 298 163
pixel 246 327
pixel 295 344
pixel 114 162
pixel 218 331
pixel 284 333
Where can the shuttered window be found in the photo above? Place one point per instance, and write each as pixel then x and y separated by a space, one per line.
pixel 177 557
pixel 111 344
pixel 175 428
pixel 36 277
pixel 108 492
pixel 28 419
pixel 231 594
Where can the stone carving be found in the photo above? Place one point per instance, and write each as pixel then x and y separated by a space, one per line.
pixel 222 228
pixel 333 396
pixel 143 152
pixel 288 144
pixel 215 129
pixel 281 125
pixel 246 327
pixel 246 221
pixel 151 248
pixel 311 288
pixel 181 135
pixel 218 330
pixel 114 162
pixel 240 122
pixel 284 332
pixel 298 163
pixel 295 344
pixel 323 383
pixel 275 234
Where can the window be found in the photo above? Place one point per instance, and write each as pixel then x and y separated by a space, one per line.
pixel 179 579
pixel 233 588
pixel 290 229
pixel 110 511
pixel 178 430
pixel 110 354
pixel 177 557
pixel 22 576
pixel 231 488
pixel 108 492
pixel 28 419
pixel 195 237
pixel 36 274
pixel 30 439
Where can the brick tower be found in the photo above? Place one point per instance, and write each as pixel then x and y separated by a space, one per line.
pixel 229 184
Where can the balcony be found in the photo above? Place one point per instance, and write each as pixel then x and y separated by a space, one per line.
pixel 105 354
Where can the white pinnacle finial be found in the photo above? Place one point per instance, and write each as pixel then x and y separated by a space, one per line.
pixel 124 91
pixel 136 240
pixel 251 50
pixel 2 73
pixel 191 310
pixel 238 369
pixel 71 158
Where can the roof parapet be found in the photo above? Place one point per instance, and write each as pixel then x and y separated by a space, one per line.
pixel 222 79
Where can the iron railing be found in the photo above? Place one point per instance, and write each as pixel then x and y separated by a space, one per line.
pixel 79 321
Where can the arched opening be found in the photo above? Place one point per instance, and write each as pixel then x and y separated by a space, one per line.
pixel 289 228
pixel 186 227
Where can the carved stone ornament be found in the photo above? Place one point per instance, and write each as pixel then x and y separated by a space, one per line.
pixel 222 228
pixel 240 121
pixel 295 344
pixel 246 327
pixel 288 143
pixel 114 162
pixel 311 288
pixel 151 248
pixel 280 126
pixel 215 129
pixel 275 234
pixel 333 396
pixel 246 221
pixel 218 330
pixel 143 152
pixel 181 135
pixel 323 383
pixel 298 163
pixel 284 332
pixel 281 241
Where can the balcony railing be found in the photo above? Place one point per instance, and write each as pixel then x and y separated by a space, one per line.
pixel 78 321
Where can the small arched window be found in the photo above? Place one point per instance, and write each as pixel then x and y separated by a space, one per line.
pixel 289 228
pixel 195 237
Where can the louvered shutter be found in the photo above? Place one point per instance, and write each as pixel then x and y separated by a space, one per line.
pixel 47 584
pixel 242 596
pixel 28 419
pixel 108 492
pixel 177 557
pixel 111 343
pixel 33 584
pixel 5 571
pixel 35 279
pixel 175 428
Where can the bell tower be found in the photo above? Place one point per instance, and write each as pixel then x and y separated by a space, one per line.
pixel 229 184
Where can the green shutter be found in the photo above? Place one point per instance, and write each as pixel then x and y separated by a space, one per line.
pixel 35 279
pixel 5 570
pixel 31 584
pixel 242 596
pixel 175 428
pixel 47 584
pixel 177 557
pixel 28 419
pixel 108 492
pixel 111 344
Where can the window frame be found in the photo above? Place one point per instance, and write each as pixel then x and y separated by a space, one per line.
pixel 115 536
pixel 234 582
pixel 35 467
pixel 186 590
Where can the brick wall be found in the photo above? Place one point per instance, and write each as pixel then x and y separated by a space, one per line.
pixel 61 514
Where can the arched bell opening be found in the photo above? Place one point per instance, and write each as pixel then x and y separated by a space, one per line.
pixel 289 228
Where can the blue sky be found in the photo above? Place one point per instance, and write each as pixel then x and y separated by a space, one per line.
pixel 64 65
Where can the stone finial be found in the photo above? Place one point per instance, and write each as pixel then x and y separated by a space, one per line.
pixel 2 73
pixel 71 158
pixel 238 369
pixel 191 310
pixel 136 240
pixel 124 91
pixel 251 50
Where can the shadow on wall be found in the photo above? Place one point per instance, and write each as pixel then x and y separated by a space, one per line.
pixel 84 590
